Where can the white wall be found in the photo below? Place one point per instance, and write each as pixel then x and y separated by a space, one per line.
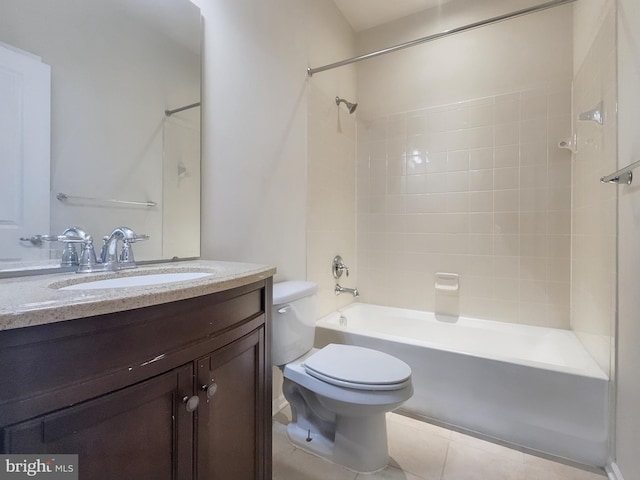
pixel 254 120
pixel 254 204
pixel 627 438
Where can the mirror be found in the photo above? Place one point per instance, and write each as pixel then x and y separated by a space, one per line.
pixel 94 134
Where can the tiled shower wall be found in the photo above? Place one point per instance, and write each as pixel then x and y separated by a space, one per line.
pixel 477 188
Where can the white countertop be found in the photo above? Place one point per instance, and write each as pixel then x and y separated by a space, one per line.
pixel 37 300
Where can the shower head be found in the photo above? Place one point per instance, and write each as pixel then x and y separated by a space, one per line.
pixel 350 106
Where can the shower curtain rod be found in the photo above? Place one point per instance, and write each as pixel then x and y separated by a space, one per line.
pixel 436 36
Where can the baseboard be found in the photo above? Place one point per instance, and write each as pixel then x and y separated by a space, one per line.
pixel 613 472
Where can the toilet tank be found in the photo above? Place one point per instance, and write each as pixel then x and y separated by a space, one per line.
pixel 294 320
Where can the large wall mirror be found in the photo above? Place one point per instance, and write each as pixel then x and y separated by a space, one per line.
pixel 92 127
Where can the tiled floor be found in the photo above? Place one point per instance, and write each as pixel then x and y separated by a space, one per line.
pixel 421 451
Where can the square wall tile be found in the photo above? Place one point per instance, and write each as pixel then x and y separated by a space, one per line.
pixel 481 158
pixel 477 188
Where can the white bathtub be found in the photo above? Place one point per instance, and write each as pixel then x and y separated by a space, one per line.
pixel 530 386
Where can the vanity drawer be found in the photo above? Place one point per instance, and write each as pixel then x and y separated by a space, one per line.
pixel 53 366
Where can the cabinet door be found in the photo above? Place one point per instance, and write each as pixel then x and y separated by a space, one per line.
pixel 141 432
pixel 230 418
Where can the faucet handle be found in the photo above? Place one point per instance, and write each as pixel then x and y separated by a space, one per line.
pixel 62 238
pixel 126 254
pixel 338 267
pixel 88 260
pixel 137 238
pixel 69 254
pixel 103 249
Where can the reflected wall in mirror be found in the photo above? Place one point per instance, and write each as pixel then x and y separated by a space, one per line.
pixel 100 132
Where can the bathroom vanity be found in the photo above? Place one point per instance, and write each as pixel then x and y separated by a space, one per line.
pixel 171 381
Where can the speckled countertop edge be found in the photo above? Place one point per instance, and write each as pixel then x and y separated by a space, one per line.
pixel 37 300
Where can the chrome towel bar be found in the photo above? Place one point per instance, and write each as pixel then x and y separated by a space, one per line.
pixel 63 197
pixel 623 175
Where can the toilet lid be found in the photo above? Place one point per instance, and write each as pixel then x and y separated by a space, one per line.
pixel 358 367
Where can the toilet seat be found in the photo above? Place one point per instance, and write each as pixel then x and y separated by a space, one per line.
pixel 358 368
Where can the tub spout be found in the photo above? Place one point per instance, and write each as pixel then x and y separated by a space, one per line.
pixel 353 291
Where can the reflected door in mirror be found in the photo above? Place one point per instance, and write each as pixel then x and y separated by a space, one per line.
pixel 25 124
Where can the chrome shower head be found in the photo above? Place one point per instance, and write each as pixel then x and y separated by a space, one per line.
pixel 350 106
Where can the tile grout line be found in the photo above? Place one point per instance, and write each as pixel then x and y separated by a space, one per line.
pixel 446 458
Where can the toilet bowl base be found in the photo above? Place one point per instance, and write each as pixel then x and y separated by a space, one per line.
pixel 360 442
pixel 310 441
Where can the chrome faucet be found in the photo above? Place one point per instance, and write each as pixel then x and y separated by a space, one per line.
pixel 338 268
pixel 109 254
pixel 108 260
pixel 353 291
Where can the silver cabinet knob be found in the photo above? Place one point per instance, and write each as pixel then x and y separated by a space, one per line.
pixel 210 389
pixel 191 402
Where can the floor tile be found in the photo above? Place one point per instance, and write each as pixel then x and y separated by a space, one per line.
pixel 506 452
pixel 283 416
pixel 465 462
pixel 537 468
pixel 425 426
pixel 389 473
pixel 300 465
pixel 416 451
pixel 281 443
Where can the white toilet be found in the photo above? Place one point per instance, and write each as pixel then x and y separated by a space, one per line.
pixel 338 394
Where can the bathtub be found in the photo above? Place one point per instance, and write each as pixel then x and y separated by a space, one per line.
pixel 531 387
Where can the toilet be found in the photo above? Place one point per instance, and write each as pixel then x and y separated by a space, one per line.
pixel 338 394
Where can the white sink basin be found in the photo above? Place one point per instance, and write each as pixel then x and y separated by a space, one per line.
pixel 138 281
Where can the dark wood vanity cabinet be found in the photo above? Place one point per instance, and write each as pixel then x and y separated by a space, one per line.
pixel 173 391
pixel 131 433
pixel 227 381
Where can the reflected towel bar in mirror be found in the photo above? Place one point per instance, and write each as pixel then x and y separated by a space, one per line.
pixel 63 197
pixel 168 113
